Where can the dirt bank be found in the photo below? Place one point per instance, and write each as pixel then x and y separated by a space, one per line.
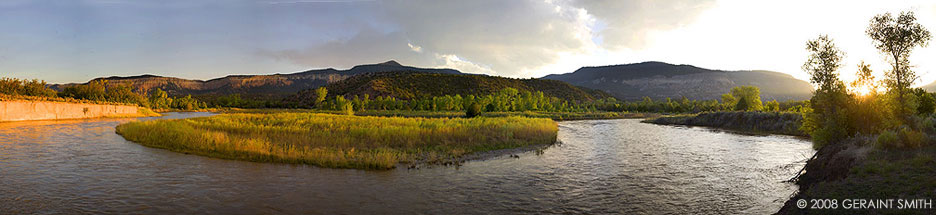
pixel 748 122
pixel 48 110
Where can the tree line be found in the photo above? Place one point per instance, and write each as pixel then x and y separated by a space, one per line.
pixel 100 91
pixel 899 115
pixel 742 98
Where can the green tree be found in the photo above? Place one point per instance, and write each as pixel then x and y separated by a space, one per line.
pixel 772 106
pixel 896 37
pixel 926 101
pixel 728 101
pixel 826 119
pixel 744 104
pixel 36 87
pixel 93 90
pixel 123 93
pixel 344 105
pixel 159 99
pixel 320 94
pixel 748 98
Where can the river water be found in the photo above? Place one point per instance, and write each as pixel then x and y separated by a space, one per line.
pixel 601 166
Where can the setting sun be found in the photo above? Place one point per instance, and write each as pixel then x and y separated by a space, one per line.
pixel 862 90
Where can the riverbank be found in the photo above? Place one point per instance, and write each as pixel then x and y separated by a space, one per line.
pixel 24 110
pixel 557 116
pixel 784 123
pixel 340 141
pixel 857 168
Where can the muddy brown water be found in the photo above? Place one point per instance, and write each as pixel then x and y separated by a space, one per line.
pixel 601 166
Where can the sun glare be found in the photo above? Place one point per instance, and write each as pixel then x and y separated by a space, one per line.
pixel 862 90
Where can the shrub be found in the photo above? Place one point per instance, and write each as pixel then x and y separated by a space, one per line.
pixel 473 110
pixel 911 138
pixel 886 140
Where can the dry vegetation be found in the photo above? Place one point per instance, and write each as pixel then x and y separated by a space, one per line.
pixel 338 141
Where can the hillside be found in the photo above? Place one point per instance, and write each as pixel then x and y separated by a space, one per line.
pixel 410 85
pixel 266 86
pixel 661 80
pixel 931 87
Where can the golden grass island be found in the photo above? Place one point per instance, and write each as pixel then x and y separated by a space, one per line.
pixel 339 141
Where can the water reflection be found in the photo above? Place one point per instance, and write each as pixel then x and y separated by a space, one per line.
pixel 603 166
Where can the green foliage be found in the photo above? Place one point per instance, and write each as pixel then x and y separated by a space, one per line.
pixel 341 104
pixel 912 138
pixel 93 90
pixel 828 120
pixel 824 60
pixel 473 110
pixel 748 98
pixel 121 93
pixel 886 140
pixel 320 94
pixel 896 37
pixel 728 101
pixel 506 100
pixel 187 103
pixel 159 99
pixel 926 103
pixel 409 85
pixel 35 87
pixel 338 141
pixel 826 128
pixel 904 137
pixel 772 106
pixel 745 121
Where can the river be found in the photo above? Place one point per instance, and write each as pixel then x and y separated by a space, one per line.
pixel 601 166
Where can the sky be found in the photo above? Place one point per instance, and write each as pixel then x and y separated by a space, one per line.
pixel 64 41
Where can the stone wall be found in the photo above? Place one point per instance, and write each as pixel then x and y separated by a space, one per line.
pixel 45 110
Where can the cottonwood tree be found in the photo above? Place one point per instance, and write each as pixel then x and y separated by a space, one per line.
pixel 320 94
pixel 748 98
pixel 826 122
pixel 896 37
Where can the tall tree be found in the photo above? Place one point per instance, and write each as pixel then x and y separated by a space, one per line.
pixel 896 37
pixel 826 122
pixel 320 94
pixel 823 63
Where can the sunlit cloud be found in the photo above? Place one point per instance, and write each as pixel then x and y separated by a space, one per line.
pixel 415 48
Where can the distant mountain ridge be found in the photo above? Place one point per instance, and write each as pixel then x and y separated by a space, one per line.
pixel 656 80
pixel 276 85
pixel 660 80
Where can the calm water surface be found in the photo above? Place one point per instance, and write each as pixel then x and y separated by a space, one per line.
pixel 602 166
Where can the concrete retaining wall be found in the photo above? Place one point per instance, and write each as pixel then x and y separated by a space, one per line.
pixel 44 110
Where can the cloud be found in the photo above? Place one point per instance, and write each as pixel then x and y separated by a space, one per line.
pixel 454 62
pixel 415 48
pixel 629 22
pixel 516 38
pixel 368 46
